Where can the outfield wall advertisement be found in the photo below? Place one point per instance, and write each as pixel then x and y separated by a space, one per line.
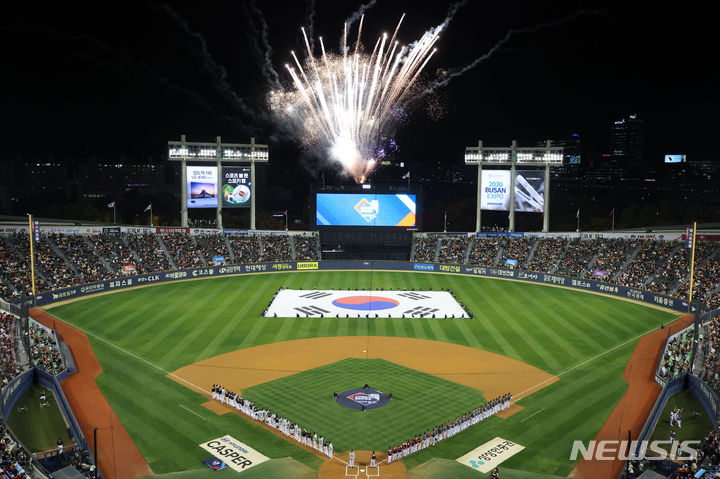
pixel 490 272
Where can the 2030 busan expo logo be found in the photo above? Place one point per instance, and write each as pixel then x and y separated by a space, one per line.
pixel 647 450
pixel 365 303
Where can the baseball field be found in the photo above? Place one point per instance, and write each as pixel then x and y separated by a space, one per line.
pixel 562 353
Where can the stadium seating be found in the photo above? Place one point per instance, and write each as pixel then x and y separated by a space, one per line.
pixel 677 355
pixel 44 349
pixel 69 260
pixel 8 363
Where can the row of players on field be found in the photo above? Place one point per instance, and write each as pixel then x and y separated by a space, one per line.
pixel 308 439
pixel 449 429
pixel 292 430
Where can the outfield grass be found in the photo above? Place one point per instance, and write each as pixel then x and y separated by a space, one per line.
pixel 585 338
pixel 420 401
pixel 38 428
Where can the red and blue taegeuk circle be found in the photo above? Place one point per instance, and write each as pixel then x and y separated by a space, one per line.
pixel 365 303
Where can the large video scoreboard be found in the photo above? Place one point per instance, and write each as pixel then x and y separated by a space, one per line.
pixel 366 209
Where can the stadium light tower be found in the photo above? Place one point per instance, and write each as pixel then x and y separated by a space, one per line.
pixel 506 190
pixel 219 153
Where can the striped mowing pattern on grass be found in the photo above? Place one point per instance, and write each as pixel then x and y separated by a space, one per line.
pixel 172 325
pixel 420 401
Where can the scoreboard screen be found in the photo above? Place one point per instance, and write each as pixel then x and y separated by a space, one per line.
pixel 365 209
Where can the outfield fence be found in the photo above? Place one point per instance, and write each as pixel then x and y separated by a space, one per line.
pixel 580 284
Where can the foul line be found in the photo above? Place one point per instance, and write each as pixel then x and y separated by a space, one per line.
pixel 538 412
pixel 189 410
pixel 131 354
pixel 587 361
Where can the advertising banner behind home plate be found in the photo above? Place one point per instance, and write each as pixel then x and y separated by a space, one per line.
pixel 487 457
pixel 290 303
pixel 234 453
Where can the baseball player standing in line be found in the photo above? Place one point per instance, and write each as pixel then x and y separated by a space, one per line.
pixel 351 458
pixel 372 459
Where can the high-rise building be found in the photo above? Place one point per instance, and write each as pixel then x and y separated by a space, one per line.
pixel 627 144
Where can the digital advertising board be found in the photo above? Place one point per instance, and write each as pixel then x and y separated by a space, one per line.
pixel 495 190
pixel 675 158
pixel 366 209
pixel 530 191
pixel 235 187
pixel 201 183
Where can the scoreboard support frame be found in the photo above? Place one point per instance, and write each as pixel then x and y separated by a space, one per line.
pixel 544 157
pixel 218 153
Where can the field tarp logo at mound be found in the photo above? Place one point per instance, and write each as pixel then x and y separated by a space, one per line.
pixel 363 398
pixel 487 457
pixel 234 453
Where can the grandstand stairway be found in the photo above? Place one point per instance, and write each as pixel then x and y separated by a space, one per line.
pixel 590 263
pixel 102 259
pixel 230 250
pixel 199 251
pixel 60 254
pixel 531 254
pixel 166 252
pixel 560 258
pixel 662 265
pixel 622 268
pixel 136 256
pixel 293 249
pixel 471 243
pixel 498 255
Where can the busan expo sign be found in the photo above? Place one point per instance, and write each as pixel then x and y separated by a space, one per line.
pixel 487 457
pixel 234 453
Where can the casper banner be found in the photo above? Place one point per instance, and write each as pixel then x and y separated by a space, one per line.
pixel 495 190
pixel 234 453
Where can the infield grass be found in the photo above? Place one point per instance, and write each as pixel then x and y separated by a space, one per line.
pixel 420 401
pixel 585 339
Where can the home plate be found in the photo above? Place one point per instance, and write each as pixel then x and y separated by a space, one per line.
pixel 293 303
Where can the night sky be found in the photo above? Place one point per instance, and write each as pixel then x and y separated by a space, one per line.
pixel 133 75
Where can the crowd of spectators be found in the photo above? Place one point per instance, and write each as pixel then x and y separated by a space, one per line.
pixel 14 461
pixel 485 250
pixel 276 248
pixel 58 272
pixel 650 256
pixel 183 250
pixel 547 255
pixel 213 246
pixel 152 257
pixel 610 260
pixel 245 248
pixel 708 346
pixel 677 355
pixel 44 349
pixel 517 249
pixel 707 273
pixel 115 251
pixel 577 257
pixel 453 250
pixel 425 248
pixel 306 248
pixel 83 257
pixel 8 364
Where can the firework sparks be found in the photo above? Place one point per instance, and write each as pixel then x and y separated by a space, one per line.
pixel 346 102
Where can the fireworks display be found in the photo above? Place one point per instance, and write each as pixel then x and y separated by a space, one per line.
pixel 345 103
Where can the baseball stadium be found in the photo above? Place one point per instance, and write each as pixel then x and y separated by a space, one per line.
pixel 213 268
